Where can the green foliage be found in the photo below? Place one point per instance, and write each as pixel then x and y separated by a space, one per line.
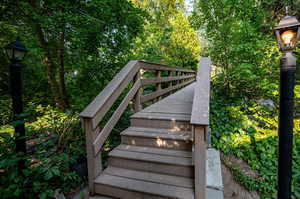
pixel 56 141
pixel 238 36
pixel 75 47
pixel 168 37
pixel 249 131
pixel 5 110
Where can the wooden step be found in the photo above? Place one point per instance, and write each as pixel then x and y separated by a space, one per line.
pixel 128 188
pixel 172 112
pixel 153 150
pixel 151 177
pixel 167 121
pixel 158 130
pixel 152 160
pixel 161 138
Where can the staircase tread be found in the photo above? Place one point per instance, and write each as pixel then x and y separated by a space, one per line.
pixel 154 150
pixel 151 157
pixel 145 187
pixel 177 106
pixel 173 108
pixel 162 116
pixel 158 133
pixel 157 130
pixel 151 177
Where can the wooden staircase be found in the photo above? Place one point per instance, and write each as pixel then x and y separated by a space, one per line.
pixel 158 156
pixel 155 157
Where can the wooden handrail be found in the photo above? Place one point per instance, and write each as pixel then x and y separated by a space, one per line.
pixel 100 139
pixel 200 122
pixel 161 92
pixel 165 79
pixel 154 66
pixel 103 102
pixel 200 111
pixel 92 115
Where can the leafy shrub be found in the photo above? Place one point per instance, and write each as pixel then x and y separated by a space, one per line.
pixel 249 131
pixel 58 142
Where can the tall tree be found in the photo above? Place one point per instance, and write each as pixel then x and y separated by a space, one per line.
pixel 168 37
pixel 241 42
pixel 69 34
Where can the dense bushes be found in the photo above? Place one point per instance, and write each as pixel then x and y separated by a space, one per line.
pixel 55 142
pixel 248 130
pixel 239 37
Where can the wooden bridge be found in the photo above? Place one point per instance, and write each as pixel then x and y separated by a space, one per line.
pixel 163 154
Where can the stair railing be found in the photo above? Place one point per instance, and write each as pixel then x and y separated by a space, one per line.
pixel 132 73
pixel 200 123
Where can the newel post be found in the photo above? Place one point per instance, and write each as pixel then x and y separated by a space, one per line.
pixel 200 160
pixel 93 160
pixel 137 97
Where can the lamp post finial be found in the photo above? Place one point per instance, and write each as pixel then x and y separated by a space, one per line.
pixel 287 10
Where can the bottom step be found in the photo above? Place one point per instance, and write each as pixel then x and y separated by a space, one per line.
pixel 129 184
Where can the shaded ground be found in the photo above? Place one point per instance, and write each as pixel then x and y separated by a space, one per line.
pixel 232 189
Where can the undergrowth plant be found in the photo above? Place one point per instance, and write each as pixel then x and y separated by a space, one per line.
pixel 248 130
pixel 55 141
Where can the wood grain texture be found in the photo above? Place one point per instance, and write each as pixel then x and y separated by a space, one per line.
pixel 134 162
pixel 200 111
pixel 154 66
pixel 165 79
pixel 110 93
pixel 200 161
pixel 137 97
pixel 158 93
pixel 151 177
pixel 93 162
pixel 143 189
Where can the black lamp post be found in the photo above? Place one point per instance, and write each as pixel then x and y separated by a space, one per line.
pixel 288 33
pixel 16 51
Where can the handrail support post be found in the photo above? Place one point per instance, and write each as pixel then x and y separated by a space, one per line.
pixel 200 161
pixel 158 85
pixel 137 97
pixel 93 160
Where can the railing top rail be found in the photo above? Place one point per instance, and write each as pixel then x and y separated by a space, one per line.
pixel 127 72
pixel 122 78
pixel 154 66
pixel 200 110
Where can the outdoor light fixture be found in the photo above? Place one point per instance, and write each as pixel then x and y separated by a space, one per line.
pixel 287 33
pixel 16 51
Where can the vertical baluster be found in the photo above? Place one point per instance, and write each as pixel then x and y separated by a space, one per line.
pixel 170 75
pixel 178 73
pixel 158 85
pixel 137 98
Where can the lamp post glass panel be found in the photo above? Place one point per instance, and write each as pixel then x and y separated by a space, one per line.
pixel 287 33
pixel 16 51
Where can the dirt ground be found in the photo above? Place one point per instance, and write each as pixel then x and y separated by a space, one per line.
pixel 232 189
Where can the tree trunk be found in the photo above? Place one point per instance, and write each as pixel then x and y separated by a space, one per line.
pixel 62 84
pixel 58 97
pixel 51 70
